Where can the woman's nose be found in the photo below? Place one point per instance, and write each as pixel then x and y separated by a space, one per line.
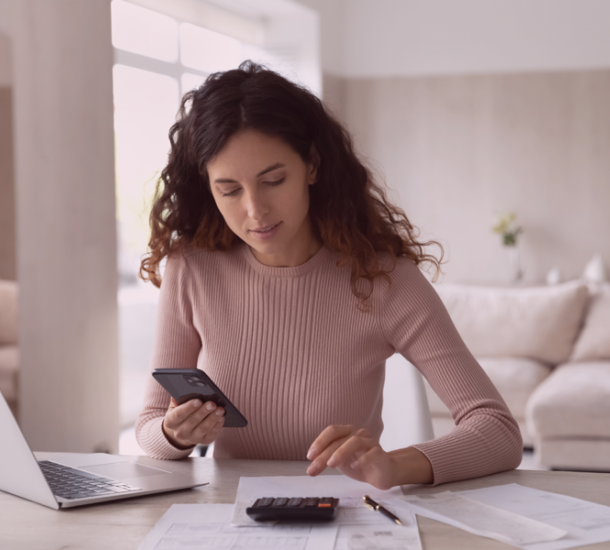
pixel 256 206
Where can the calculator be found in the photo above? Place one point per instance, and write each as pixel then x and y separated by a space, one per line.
pixel 294 509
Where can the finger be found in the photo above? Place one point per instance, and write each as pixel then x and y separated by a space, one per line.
pixel 371 457
pixel 200 431
pixel 348 453
pixel 178 414
pixel 211 436
pixel 196 427
pixel 320 463
pixel 194 419
pixel 328 435
pixel 190 414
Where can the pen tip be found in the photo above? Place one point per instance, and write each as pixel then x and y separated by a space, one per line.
pixel 398 521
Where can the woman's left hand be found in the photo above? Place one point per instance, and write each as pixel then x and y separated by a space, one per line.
pixel 355 453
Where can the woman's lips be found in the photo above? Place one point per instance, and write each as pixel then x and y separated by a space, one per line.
pixel 266 232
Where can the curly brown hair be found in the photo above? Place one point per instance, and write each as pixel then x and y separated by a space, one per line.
pixel 349 211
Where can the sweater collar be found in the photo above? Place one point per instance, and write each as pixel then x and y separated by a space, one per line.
pixel 319 258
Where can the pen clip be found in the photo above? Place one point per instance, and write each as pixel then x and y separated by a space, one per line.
pixel 368 501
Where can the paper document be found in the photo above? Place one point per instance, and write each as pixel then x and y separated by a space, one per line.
pixel 352 511
pixel 480 519
pixel 585 522
pixel 377 537
pixel 347 490
pixel 208 526
pixel 359 527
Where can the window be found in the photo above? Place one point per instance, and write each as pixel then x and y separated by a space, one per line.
pixel 159 57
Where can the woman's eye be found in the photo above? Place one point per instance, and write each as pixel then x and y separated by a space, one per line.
pixel 276 182
pixel 230 194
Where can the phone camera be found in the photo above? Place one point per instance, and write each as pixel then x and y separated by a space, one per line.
pixel 195 381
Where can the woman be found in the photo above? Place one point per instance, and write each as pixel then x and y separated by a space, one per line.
pixel 290 280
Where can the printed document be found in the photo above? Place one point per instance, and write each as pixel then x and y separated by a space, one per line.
pixel 379 537
pixel 208 526
pixel 480 519
pixel 359 527
pixel 341 487
pixel 581 522
pixel 585 522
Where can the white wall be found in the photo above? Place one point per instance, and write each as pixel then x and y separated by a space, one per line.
pixel 384 38
pixel 458 149
pixel 331 33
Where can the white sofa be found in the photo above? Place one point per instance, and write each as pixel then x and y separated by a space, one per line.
pixel 9 354
pixel 547 350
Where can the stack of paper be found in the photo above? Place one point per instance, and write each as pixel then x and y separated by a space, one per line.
pixel 228 527
pixel 520 516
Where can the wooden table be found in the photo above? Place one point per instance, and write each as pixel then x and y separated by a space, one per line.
pixel 124 524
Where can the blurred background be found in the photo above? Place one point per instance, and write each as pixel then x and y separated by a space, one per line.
pixel 488 120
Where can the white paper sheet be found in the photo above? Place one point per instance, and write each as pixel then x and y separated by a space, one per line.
pixel 378 537
pixel 347 490
pixel 352 511
pixel 480 519
pixel 207 526
pixel 585 522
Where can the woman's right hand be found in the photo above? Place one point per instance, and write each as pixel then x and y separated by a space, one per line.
pixel 192 423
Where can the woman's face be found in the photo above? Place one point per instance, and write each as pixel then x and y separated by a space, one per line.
pixel 261 187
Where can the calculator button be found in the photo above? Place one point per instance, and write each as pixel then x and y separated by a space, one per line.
pixel 326 500
pixel 262 502
pixel 324 505
pixel 280 502
pixel 311 501
pixel 293 502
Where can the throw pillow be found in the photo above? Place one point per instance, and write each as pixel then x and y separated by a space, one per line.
pixel 593 343
pixel 539 323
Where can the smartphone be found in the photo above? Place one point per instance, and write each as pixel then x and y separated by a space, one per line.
pixel 186 384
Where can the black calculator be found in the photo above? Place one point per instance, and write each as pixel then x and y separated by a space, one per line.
pixel 294 509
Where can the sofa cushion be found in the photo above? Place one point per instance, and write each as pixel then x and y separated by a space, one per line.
pixel 573 402
pixel 8 313
pixel 574 454
pixel 9 363
pixel 593 343
pixel 539 323
pixel 514 378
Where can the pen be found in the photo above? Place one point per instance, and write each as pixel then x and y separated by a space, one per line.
pixel 368 501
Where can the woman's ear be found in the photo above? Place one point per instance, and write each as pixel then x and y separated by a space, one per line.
pixel 313 165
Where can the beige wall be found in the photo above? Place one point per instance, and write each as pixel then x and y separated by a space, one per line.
pixel 66 227
pixel 7 177
pixel 457 149
pixel 7 187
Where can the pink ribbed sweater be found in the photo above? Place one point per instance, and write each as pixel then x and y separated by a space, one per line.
pixel 290 348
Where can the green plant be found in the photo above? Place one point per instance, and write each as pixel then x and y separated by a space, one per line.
pixel 506 226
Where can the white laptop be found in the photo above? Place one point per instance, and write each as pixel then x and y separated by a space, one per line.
pixel 77 479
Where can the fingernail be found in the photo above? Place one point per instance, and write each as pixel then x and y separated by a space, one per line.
pixel 210 406
pixel 219 412
pixel 354 465
pixel 311 453
pixel 196 403
pixel 332 462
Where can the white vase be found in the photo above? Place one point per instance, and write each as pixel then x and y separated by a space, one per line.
pixel 514 260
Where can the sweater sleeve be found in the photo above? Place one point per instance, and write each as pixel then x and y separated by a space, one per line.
pixel 486 438
pixel 177 345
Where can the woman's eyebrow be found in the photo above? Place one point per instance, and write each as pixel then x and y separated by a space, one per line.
pixel 269 169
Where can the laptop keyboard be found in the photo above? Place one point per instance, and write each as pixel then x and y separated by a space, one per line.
pixel 70 483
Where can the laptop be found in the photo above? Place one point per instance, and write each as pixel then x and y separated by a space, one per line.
pixel 78 479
